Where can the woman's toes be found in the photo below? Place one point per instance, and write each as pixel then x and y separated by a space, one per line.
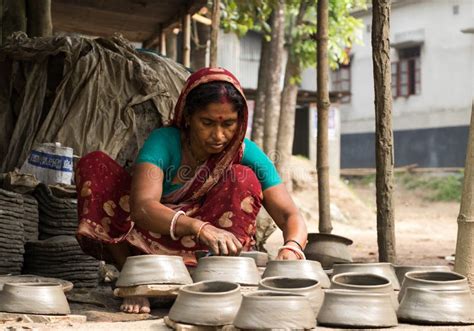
pixel 145 309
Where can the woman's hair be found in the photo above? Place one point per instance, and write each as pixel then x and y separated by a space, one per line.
pixel 213 92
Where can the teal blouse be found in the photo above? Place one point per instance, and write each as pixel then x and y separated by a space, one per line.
pixel 163 149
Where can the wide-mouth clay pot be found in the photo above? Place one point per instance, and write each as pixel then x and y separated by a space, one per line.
pixel 420 305
pixel 241 270
pixel 357 309
pixel 328 249
pixel 356 281
pixel 401 270
pixel 434 280
pixel 261 258
pixel 311 288
pixel 297 269
pixel 153 269
pixel 211 303
pixel 383 269
pixel 275 310
pixel 34 298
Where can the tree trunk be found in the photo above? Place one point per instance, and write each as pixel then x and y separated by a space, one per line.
pixel 14 18
pixel 216 19
pixel 383 130
pixel 286 127
pixel 323 115
pixel 171 46
pixel 39 18
pixel 259 108
pixel 465 243
pixel 272 95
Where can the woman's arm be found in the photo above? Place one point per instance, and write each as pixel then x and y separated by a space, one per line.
pixel 279 204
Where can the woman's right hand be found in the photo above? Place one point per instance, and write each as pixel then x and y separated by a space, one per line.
pixel 220 242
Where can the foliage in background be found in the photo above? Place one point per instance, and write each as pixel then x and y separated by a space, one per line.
pixel 240 16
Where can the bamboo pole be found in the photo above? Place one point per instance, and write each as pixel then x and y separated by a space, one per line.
pixel 323 102
pixel 464 263
pixel 216 18
pixel 187 40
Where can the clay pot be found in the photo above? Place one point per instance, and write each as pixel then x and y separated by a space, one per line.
pixel 356 281
pixel 311 288
pixel 344 308
pixel 34 298
pixel 401 270
pixel 211 303
pixel 275 310
pixel 153 269
pixel 296 269
pixel 434 280
pixel 382 269
pixel 328 249
pixel 241 270
pixel 261 258
pixel 420 305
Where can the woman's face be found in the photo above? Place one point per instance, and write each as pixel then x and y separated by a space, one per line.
pixel 213 127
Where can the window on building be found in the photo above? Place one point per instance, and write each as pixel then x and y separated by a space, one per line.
pixel 341 82
pixel 406 73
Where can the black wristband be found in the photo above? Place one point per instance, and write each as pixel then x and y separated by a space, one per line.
pixel 294 241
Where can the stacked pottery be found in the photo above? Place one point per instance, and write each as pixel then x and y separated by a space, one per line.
pixel 153 269
pixel 382 269
pixel 11 232
pixel 297 269
pixel 208 303
pixel 328 249
pixel 61 257
pixel 436 297
pixel 30 218
pixel 241 270
pixel 57 216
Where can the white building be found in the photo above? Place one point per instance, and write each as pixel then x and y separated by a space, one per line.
pixel 432 85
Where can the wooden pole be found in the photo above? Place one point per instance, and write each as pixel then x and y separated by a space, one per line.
pixel 187 40
pixel 464 263
pixel 171 45
pixel 162 42
pixel 14 18
pixel 39 18
pixel 323 110
pixel 216 19
pixel 383 130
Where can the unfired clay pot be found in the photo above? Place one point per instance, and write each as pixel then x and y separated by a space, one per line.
pixel 311 288
pixel 261 258
pixel 401 270
pixel 434 280
pixel 241 270
pixel 153 269
pixel 297 269
pixel 275 310
pixel 356 281
pixel 211 303
pixel 34 298
pixel 420 305
pixel 382 269
pixel 328 249
pixel 357 309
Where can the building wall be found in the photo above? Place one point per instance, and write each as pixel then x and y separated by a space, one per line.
pixel 446 83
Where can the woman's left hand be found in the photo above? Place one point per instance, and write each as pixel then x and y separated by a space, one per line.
pixel 286 254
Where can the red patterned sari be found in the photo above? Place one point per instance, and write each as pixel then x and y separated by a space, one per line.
pixel 222 192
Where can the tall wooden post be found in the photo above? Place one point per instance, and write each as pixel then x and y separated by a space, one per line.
pixel 39 18
pixel 171 45
pixel 323 111
pixel 187 40
pixel 162 42
pixel 216 19
pixel 383 130
pixel 14 18
pixel 465 242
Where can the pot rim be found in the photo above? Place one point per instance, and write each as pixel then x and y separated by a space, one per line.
pixel 440 291
pixel 328 237
pixel 36 285
pixel 226 258
pixel 355 286
pixel 273 288
pixel 370 264
pixel 186 288
pixel 295 262
pixel 155 256
pixel 264 295
pixel 454 281
pixel 419 266
pixel 344 292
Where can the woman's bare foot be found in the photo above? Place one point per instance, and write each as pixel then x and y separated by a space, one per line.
pixel 135 305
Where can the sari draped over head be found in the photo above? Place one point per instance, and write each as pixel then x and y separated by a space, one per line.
pixel 103 188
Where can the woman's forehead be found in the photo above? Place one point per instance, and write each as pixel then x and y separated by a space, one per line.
pixel 218 111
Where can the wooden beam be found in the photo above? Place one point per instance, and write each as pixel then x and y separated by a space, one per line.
pixel 187 40
pixel 39 18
